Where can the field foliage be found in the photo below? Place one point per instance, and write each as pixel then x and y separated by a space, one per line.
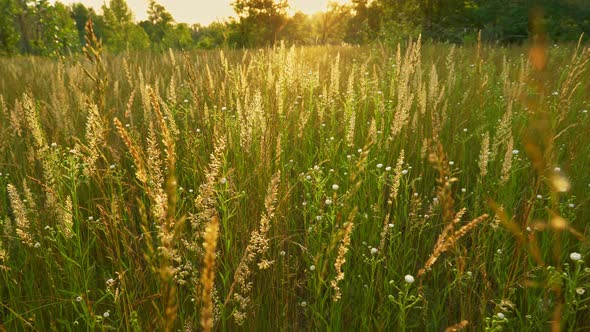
pixel 421 187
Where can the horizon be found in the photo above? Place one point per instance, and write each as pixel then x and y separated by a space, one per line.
pixel 191 11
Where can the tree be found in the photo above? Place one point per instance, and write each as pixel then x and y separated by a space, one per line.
pixel 81 14
pixel 121 33
pixel 159 25
pixel 8 33
pixel 297 29
pixel 212 36
pixel 261 21
pixel 330 25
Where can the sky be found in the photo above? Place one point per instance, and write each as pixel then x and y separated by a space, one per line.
pixel 200 11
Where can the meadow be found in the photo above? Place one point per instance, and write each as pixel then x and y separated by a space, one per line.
pixel 412 187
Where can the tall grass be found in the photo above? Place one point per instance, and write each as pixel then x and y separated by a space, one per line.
pixel 422 187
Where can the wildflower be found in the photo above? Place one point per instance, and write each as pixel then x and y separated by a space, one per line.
pixel 515 152
pixel 106 314
pixel 112 166
pixel 574 256
pixel 308 177
pixel 388 168
pixel 571 205
pixel 37 244
pixel 335 187
pixel 580 291
pixel 451 163
pixel 328 201
pixel 374 251
pixel 409 279
pixel 110 281
pixel 90 218
pixel 379 165
pixel 318 218
pixel 224 108
pixel 186 100
pixel 405 171
pixel 304 304
pixel 79 299
pixel 539 197
pixel 501 315
pixel 53 144
pixel 312 268
pixel 282 253
pixel 223 180
pixel 463 190
pixel 390 225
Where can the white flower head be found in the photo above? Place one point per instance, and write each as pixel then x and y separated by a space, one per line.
pixel 580 291
pixel 312 268
pixel 328 201
pixel 501 315
pixel 374 251
pixel 575 256
pixel 335 187
pixel 409 279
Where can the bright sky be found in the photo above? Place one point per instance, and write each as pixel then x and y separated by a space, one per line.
pixel 201 11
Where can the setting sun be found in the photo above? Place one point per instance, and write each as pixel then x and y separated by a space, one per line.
pixel 311 6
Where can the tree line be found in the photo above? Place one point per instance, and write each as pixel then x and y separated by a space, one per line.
pixel 40 28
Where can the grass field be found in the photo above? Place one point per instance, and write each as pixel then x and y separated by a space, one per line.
pixel 422 187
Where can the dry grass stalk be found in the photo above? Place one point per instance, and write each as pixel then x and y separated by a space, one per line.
pixel 448 238
pixel 206 201
pixel 66 218
pixel 573 81
pixel 95 139
pixel 459 326
pixel 20 215
pixel 341 258
pixel 208 274
pixel 257 246
pixel 392 198
pixel 92 50
pixel 484 155
pixel 507 165
pixel 140 172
